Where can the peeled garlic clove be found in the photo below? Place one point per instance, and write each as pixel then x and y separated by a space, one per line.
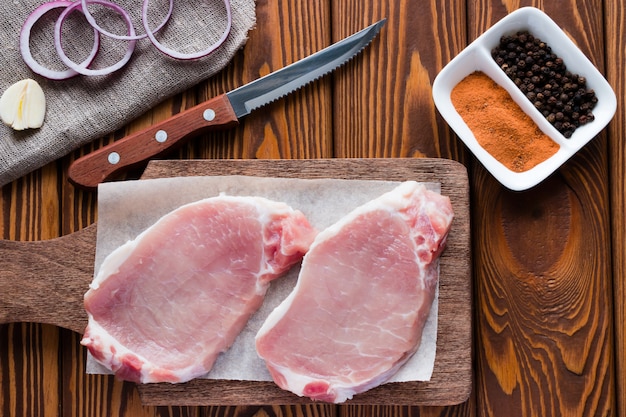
pixel 23 105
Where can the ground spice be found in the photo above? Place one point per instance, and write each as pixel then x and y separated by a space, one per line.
pixel 500 126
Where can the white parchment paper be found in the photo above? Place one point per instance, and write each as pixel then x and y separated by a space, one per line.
pixel 125 209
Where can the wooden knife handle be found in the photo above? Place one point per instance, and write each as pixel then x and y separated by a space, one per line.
pixel 96 167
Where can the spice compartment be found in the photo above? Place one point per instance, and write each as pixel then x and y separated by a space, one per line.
pixel 477 57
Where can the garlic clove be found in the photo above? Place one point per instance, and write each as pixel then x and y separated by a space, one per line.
pixel 23 105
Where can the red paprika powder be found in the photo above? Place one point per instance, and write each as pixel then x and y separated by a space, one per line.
pixel 499 125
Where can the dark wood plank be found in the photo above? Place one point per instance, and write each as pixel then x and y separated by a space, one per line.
pixel 616 52
pixel 29 380
pixel 543 268
pixel 465 409
pixel 386 97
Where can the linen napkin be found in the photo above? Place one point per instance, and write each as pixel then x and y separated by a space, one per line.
pixel 84 108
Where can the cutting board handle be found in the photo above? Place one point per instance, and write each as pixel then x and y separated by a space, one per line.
pixel 44 281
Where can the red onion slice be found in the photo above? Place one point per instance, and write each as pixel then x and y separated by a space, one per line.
pixel 176 54
pixel 32 19
pixel 82 68
pixel 93 23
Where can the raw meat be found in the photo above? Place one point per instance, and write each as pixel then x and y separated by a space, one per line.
pixel 362 298
pixel 163 306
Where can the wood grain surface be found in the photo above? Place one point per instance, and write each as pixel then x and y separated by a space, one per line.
pixel 615 52
pixel 543 268
pixel 549 264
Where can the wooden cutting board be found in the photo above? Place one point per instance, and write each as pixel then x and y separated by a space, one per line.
pixel 45 281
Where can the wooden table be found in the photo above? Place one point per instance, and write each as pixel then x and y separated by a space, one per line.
pixel 549 264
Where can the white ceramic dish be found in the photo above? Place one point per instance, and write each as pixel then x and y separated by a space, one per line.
pixel 477 57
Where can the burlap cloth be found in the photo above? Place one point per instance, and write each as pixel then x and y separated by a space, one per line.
pixel 83 108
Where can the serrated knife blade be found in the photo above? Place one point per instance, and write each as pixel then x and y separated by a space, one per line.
pixel 220 112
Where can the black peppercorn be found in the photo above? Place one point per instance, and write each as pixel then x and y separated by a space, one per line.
pixel 563 98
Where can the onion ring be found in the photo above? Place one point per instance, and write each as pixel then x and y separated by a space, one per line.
pixel 82 68
pixel 32 19
pixel 93 23
pixel 131 37
pixel 178 55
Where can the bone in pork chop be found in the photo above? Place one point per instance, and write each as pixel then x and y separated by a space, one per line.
pixel 362 298
pixel 163 306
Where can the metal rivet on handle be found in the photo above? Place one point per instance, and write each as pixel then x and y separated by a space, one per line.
pixel 161 136
pixel 114 158
pixel 209 115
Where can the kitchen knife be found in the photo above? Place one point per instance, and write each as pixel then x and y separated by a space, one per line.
pixel 222 111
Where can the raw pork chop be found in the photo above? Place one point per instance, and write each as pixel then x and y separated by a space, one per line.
pixel 163 306
pixel 362 298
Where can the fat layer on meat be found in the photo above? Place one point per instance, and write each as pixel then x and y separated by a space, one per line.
pixel 362 298
pixel 164 305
